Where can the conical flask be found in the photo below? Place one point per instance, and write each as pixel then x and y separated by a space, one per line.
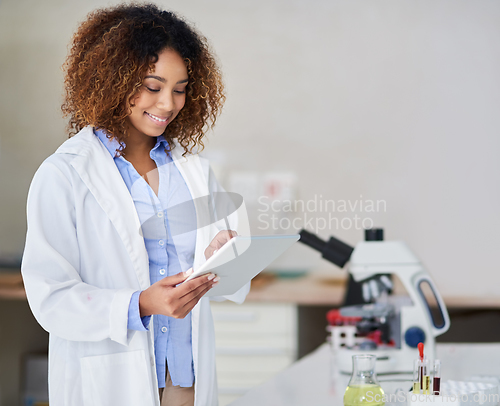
pixel 363 388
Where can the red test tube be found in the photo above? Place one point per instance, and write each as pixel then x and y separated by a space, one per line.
pixel 436 383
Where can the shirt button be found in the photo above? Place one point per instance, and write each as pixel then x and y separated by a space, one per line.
pixel 160 214
pixel 163 329
pixel 161 242
pixel 162 271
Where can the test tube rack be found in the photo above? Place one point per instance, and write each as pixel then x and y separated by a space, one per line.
pixel 459 393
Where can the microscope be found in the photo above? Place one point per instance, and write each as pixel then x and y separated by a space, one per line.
pixel 374 320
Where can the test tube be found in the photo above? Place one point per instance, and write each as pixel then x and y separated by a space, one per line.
pixel 426 378
pixel 416 379
pixel 436 383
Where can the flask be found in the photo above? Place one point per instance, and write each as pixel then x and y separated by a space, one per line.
pixel 363 388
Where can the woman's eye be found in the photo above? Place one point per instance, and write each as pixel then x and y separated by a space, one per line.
pixel 152 90
pixel 180 91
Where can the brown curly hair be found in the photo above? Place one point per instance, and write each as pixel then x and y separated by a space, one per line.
pixel 110 54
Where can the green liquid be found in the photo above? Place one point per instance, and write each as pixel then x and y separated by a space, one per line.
pixel 365 395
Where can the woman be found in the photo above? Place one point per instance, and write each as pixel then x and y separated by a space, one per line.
pixel 114 217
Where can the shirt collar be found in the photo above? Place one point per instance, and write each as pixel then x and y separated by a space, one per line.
pixel 160 140
pixel 112 144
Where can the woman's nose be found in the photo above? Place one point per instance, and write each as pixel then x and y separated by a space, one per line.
pixel 166 102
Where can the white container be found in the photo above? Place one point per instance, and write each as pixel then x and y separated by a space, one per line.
pixel 459 393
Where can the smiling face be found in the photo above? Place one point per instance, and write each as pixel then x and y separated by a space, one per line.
pixel 160 98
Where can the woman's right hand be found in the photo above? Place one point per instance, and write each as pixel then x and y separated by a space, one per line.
pixel 164 297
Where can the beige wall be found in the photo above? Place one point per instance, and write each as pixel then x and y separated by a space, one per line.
pixel 388 100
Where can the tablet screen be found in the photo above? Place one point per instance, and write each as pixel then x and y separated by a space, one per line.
pixel 241 259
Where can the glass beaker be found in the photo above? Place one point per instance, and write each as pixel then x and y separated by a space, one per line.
pixel 363 388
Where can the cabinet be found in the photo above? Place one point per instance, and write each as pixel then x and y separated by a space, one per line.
pixel 254 341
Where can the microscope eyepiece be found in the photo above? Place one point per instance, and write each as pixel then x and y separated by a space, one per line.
pixel 374 234
pixel 332 250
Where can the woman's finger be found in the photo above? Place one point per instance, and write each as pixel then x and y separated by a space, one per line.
pixel 198 283
pixel 195 299
pixel 219 240
pixel 176 279
pixel 224 236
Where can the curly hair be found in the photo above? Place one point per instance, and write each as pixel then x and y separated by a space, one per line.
pixel 112 51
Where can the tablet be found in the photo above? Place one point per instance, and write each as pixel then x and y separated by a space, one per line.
pixel 241 259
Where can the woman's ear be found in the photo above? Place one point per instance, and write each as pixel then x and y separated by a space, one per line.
pixel 130 101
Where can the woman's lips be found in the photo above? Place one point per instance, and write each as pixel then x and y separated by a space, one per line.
pixel 156 119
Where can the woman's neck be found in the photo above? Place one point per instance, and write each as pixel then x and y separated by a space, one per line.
pixel 138 146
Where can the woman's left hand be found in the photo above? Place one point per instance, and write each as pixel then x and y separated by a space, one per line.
pixel 220 239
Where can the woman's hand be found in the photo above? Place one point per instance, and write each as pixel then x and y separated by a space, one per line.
pixel 220 239
pixel 164 297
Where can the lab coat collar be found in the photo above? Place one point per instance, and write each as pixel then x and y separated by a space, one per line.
pixel 98 171
pixel 111 144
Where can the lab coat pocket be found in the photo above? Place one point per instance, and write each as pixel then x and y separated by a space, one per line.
pixel 116 379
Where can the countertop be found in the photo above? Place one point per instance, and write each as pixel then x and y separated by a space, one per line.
pixel 313 380
pixel 11 284
pixel 314 288
pixel 318 288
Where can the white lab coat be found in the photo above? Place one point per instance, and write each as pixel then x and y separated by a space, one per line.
pixel 83 259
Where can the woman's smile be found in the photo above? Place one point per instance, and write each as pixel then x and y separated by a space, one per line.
pixel 158 120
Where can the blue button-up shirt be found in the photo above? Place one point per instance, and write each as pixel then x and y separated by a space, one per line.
pixel 168 254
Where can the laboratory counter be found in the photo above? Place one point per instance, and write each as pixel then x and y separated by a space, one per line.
pixel 282 320
pixel 314 380
pixel 318 288
pixel 310 289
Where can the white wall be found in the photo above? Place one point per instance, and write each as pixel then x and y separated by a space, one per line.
pixel 381 100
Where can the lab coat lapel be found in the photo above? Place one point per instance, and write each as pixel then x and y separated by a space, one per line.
pixel 98 171
pixel 196 176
